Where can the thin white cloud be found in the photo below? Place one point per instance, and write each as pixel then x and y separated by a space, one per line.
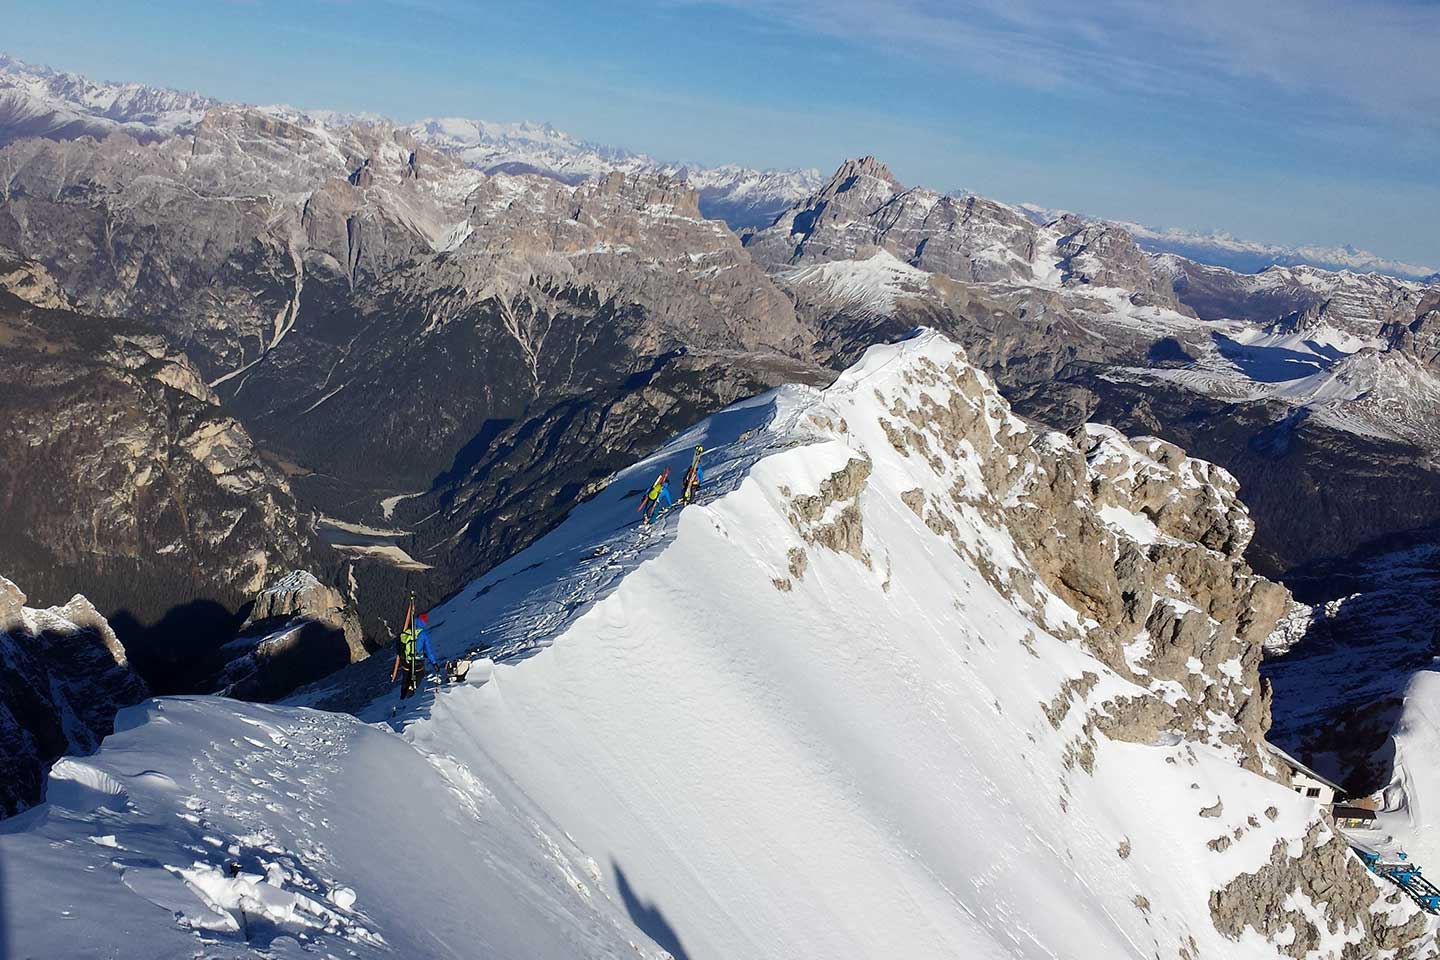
pixel 1380 58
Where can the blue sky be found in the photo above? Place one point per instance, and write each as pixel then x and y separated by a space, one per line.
pixel 1289 121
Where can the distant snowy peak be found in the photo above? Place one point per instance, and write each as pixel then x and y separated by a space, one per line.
pixel 38 101
pixel 1251 256
pixel 1301 295
pixel 741 196
pixel 871 286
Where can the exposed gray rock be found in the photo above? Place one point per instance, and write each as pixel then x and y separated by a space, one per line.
pixel 299 630
pixel 1331 878
pixel 299 595
pixel 124 478
pixel 864 208
pixel 1105 255
pixel 63 676
pixel 842 531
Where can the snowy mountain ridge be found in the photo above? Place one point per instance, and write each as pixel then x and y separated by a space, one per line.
pixel 911 679
pixel 740 195
pixel 1223 249
pixel 38 101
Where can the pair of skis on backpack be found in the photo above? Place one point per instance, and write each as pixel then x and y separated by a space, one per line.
pixel 650 508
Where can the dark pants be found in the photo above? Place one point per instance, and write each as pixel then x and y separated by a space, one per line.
pixel 412 672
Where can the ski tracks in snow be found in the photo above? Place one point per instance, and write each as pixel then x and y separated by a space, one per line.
pixel 243 864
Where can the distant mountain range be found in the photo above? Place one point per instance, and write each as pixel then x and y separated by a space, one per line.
pixel 39 101
pixel 1251 256
pixel 247 341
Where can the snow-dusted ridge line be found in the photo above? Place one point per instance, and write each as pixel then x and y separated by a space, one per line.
pixel 835 709
pixel 1251 256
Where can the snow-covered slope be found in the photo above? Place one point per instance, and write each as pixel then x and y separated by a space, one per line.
pixel 871 285
pixel 911 680
pixel 1411 809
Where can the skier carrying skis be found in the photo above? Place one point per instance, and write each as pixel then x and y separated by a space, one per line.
pixel 693 478
pixel 660 488
pixel 413 651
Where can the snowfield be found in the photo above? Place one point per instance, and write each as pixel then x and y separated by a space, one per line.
pixel 815 715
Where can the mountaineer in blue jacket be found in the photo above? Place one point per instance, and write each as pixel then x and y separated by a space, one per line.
pixel 693 478
pixel 413 651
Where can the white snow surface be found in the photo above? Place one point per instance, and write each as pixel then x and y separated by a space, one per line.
pixel 664 749
pixel 871 285
pixel 1411 813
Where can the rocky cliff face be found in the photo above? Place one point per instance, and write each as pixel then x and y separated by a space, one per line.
pixel 1145 543
pixel 63 676
pixel 125 478
pixel 1103 255
pixel 298 631
pixel 864 208
pixel 385 318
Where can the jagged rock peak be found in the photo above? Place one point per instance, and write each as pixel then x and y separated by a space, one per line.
pixel 63 677
pixel 858 167
pixel 12 600
pixel 297 593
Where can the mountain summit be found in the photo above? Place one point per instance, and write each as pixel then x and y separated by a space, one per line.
pixel 912 678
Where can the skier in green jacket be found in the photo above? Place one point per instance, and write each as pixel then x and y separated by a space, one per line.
pixel 659 490
pixel 413 652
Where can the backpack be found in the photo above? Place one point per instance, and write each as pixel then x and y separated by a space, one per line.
pixel 408 645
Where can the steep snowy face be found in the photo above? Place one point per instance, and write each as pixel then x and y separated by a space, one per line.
pixel 910 679
pixel 904 642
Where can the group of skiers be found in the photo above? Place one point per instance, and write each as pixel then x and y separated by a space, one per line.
pixel 413 650
pixel 660 489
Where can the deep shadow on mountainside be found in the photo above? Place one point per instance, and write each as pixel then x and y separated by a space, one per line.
pixel 318 320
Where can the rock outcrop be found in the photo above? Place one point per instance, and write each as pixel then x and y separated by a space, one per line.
pixel 1322 871
pixel 63 677
pixel 123 478
pixel 1145 542
pixel 864 208
pixel 1105 255
pixel 298 631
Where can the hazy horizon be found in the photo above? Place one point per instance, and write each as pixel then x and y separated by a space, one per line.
pixel 1276 128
